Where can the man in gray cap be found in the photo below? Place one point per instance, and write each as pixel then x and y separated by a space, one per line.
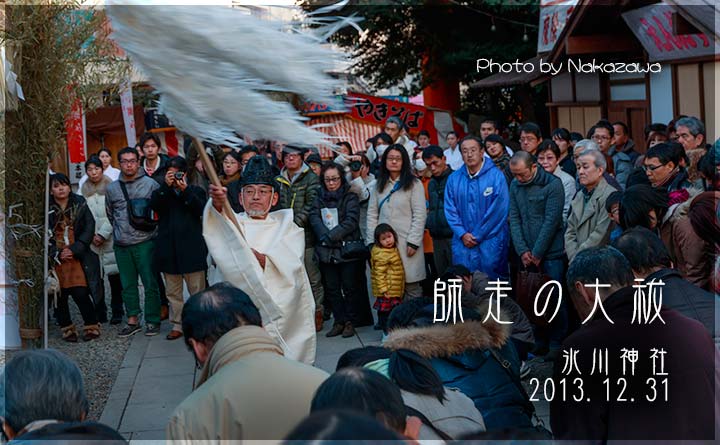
pixel 300 188
pixel 264 258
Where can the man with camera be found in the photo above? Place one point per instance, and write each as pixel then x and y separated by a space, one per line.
pixel 180 251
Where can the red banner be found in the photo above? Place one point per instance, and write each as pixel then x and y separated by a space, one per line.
pixel 75 128
pixel 377 110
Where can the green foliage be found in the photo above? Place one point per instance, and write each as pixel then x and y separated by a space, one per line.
pixel 450 35
pixel 59 52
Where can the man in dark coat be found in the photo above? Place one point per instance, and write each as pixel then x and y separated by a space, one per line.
pixel 650 260
pixel 537 200
pixel 180 250
pixel 663 391
pixel 155 164
pixel 436 222
pixel 300 187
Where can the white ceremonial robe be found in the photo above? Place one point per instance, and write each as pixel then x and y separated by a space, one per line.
pixel 282 290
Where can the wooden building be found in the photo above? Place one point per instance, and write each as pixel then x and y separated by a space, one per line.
pixel 675 44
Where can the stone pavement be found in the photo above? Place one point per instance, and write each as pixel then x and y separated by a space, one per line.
pixel 156 375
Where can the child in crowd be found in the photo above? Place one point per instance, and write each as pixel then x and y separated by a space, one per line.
pixel 387 274
pixel 612 206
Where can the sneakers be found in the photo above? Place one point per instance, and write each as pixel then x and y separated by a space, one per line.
pixel 524 370
pixel 128 330
pixel 152 329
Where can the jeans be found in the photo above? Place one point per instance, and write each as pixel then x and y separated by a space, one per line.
pixel 133 261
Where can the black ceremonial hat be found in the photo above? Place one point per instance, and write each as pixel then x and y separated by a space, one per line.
pixel 259 171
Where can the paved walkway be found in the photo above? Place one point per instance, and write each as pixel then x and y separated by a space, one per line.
pixel 157 375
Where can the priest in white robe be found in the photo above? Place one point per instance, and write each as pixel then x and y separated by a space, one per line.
pixel 265 258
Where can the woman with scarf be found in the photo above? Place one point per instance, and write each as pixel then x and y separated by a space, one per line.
pixel 335 220
pixel 102 244
pixel 77 267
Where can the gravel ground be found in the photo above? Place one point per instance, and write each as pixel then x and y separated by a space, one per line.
pixel 99 359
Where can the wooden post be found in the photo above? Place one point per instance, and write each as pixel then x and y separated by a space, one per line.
pixel 215 180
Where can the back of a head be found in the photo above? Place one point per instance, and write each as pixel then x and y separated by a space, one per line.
pixel 408 370
pixel 364 391
pixel 604 264
pixel 643 249
pixel 637 202
pixel 41 385
pixel 70 433
pixel 210 314
pixel 329 427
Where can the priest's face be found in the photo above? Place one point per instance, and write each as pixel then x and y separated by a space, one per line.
pixel 257 199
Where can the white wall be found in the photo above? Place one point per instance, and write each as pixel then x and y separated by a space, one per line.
pixel 661 95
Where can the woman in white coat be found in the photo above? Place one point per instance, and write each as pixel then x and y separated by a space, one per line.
pixel 398 199
pixel 94 192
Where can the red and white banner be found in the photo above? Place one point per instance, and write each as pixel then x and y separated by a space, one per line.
pixel 653 27
pixel 554 15
pixel 126 102
pixel 171 141
pixel 75 128
pixel 345 129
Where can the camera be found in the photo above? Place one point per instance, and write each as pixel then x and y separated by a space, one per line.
pixel 179 175
pixel 355 166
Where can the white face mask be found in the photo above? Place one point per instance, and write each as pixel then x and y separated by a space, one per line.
pixel 380 149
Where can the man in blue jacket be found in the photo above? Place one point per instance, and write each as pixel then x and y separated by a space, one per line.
pixel 476 208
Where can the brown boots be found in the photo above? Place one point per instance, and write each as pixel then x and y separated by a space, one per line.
pixel 69 334
pixel 91 332
pixel 346 330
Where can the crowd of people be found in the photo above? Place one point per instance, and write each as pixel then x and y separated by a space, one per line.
pixel 398 216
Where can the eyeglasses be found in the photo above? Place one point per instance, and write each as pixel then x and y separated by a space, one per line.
pixel 128 161
pixel 254 192
pixel 598 138
pixel 652 168
pixel 528 139
pixel 330 180
pixel 394 159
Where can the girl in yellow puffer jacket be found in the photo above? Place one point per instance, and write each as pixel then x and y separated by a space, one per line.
pixel 387 274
